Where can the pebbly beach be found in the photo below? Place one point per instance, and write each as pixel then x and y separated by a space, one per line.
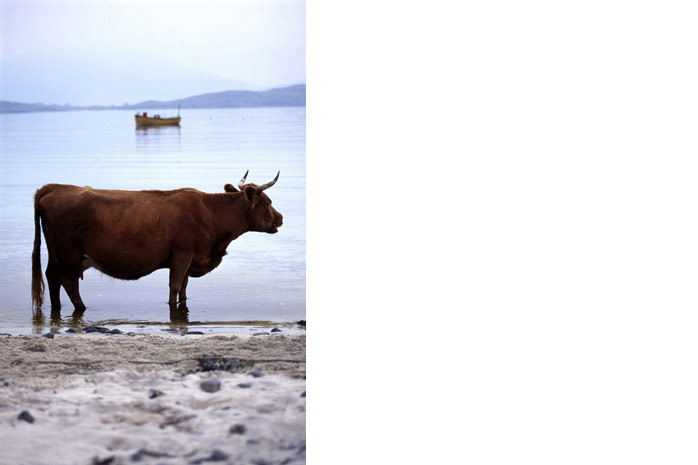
pixel 96 398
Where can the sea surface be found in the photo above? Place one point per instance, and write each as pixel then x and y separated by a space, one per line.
pixel 259 284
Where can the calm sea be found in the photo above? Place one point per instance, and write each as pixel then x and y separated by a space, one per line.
pixel 262 279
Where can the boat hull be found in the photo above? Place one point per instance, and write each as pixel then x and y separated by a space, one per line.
pixel 148 121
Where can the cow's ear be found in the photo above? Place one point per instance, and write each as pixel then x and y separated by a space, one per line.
pixel 229 188
pixel 251 195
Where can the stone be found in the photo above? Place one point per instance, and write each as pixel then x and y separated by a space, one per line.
pixel 237 428
pixel 114 331
pixel 24 415
pixel 210 385
pixel 303 394
pixel 105 461
pixel 153 393
pixel 255 373
pixel 262 333
pixel 276 330
pixel 48 335
pixel 71 330
pixel 216 456
pixel 245 385
pixel 192 332
pixel 300 322
pixel 96 329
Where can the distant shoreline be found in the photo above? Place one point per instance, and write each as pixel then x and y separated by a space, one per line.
pixel 292 96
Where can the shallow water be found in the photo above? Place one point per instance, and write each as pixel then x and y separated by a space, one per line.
pixel 262 279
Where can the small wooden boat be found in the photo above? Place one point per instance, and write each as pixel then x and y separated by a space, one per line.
pixel 156 120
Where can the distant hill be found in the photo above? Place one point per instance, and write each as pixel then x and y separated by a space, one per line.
pixel 292 96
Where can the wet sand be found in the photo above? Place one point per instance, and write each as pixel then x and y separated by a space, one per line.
pixel 91 401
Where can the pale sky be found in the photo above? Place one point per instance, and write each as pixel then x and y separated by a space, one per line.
pixel 261 42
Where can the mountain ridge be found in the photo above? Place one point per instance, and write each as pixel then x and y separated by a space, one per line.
pixel 290 96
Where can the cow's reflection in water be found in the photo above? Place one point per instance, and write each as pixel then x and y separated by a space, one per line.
pixel 179 319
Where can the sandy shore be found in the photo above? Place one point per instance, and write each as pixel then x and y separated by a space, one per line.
pixel 91 401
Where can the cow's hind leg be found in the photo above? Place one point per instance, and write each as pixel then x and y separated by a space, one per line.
pixel 72 288
pixel 53 276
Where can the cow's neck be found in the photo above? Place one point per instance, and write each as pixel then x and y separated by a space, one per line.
pixel 229 215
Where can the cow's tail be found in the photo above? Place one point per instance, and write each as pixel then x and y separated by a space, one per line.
pixel 37 277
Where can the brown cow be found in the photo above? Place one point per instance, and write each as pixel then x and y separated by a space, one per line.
pixel 130 234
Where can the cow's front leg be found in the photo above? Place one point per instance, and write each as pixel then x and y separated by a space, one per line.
pixel 179 265
pixel 183 289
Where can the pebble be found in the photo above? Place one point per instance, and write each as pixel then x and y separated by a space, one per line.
pixel 216 456
pixel 237 428
pixel 71 330
pixel 245 385
pixel 106 461
pixel 48 335
pixel 96 329
pixel 26 416
pixel 255 373
pixel 276 330
pixel 153 393
pixel 210 385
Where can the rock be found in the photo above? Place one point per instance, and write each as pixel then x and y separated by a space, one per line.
pixel 70 330
pixel 303 394
pixel 192 332
pixel 48 335
pixel 96 329
pixel 245 385
pixel 114 331
pixel 26 416
pixel 255 373
pixel 237 428
pixel 138 456
pixel 130 334
pixel 153 393
pixel 216 456
pixel 4 382
pixel 300 322
pixel 210 385
pixel 276 330
pixel 262 333
pixel 106 461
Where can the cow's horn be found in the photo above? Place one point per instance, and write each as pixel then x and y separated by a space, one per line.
pixel 269 184
pixel 242 181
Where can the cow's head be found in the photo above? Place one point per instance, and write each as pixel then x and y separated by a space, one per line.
pixel 261 216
